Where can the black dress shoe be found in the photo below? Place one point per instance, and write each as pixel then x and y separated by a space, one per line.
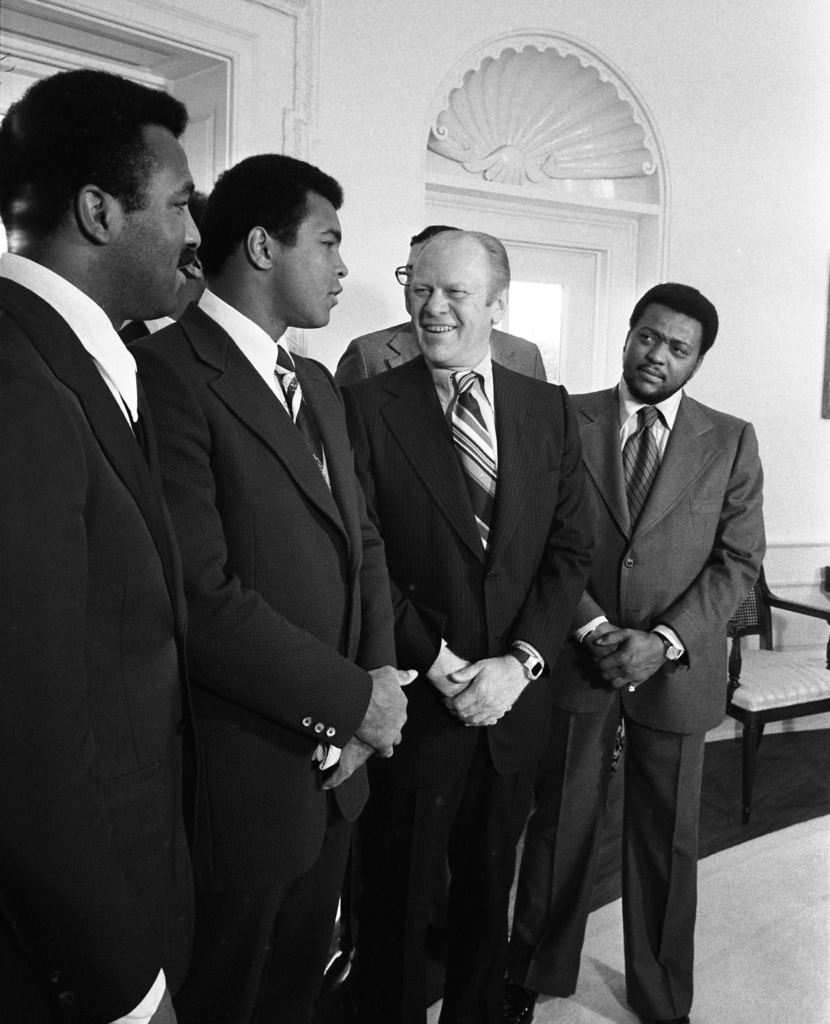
pixel 519 1004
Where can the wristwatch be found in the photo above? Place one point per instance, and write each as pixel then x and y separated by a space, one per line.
pixel 670 651
pixel 531 665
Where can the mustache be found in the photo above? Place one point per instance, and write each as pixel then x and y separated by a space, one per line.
pixel 190 265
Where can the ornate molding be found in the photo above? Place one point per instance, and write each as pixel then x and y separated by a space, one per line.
pixel 299 121
pixel 537 106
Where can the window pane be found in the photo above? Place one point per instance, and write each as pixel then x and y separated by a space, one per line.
pixel 535 313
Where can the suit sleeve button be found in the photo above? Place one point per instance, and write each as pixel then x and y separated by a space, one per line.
pixel 330 731
pixel 319 727
pixel 307 722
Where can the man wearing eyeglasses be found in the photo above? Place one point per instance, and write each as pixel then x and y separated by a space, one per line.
pixel 373 353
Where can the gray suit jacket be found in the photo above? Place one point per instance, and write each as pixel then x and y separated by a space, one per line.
pixel 688 562
pixel 374 353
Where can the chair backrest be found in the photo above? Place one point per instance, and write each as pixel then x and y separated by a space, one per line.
pixel 753 618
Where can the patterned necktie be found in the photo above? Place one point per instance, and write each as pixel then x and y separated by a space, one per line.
pixel 641 460
pixel 474 448
pixel 297 407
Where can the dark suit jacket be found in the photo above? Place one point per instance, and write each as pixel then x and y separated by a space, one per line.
pixel 444 585
pixel 384 350
pixel 688 563
pixel 95 890
pixel 288 596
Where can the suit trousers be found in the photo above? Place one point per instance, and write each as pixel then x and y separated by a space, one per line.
pixel 661 794
pixel 259 957
pixel 476 821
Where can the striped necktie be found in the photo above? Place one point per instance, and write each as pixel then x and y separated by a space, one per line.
pixel 297 407
pixel 641 460
pixel 474 448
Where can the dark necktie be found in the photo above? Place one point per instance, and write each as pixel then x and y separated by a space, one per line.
pixel 641 460
pixel 141 436
pixel 297 407
pixel 474 448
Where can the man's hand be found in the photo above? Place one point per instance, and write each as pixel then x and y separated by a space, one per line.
pixel 352 756
pixel 595 649
pixel 491 688
pixel 444 664
pixel 386 714
pixel 636 656
pixel 165 1014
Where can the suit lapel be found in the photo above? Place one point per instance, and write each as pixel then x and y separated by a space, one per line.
pixel 250 400
pixel 600 438
pixel 516 437
pixel 417 422
pixel 687 452
pixel 66 357
pixel 339 460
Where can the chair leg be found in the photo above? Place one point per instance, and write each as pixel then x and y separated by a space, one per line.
pixel 753 731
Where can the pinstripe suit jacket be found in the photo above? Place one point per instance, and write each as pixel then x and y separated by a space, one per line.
pixel 95 887
pixel 444 585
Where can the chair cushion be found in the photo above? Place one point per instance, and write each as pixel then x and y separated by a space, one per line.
pixel 774 679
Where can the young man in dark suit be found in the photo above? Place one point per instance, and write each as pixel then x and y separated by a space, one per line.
pixel 95 888
pixel 473 474
pixel 676 508
pixel 383 350
pixel 291 629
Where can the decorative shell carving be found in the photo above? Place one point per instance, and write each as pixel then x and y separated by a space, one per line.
pixel 534 114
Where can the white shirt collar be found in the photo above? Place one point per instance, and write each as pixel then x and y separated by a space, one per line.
pixel 256 345
pixel 629 406
pixel 443 384
pixel 85 317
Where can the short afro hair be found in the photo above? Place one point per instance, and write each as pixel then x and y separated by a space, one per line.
pixel 268 191
pixel 73 129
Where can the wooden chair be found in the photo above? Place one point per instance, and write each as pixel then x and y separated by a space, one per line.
pixel 768 685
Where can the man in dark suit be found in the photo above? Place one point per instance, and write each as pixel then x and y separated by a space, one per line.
pixel 95 887
pixel 291 628
pixel 676 509
pixel 484 585
pixel 382 350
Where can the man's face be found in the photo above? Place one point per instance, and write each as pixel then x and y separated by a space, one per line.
pixel 452 309
pixel 410 265
pixel 160 239
pixel 307 275
pixel 661 353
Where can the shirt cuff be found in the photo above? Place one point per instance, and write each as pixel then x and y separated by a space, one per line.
pixel 523 645
pixel 143 1013
pixel 580 634
pixel 328 756
pixel 671 636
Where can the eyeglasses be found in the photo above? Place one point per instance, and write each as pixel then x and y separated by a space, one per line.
pixel 403 275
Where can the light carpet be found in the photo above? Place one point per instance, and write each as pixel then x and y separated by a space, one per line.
pixel 763 940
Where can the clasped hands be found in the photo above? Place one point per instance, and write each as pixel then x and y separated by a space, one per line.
pixel 380 731
pixel 625 657
pixel 479 692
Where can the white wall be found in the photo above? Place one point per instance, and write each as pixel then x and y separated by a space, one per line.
pixel 740 94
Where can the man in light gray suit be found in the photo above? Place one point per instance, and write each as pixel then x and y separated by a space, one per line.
pixel 676 491
pixel 373 353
